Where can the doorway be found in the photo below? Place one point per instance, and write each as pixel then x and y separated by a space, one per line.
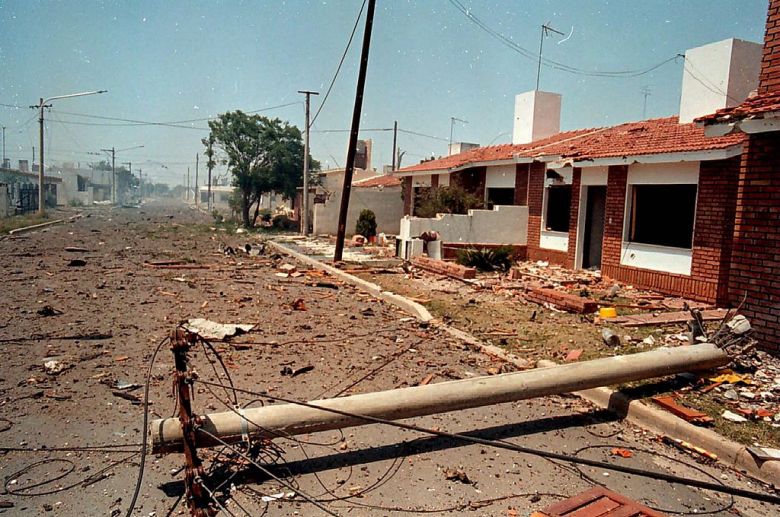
pixel 595 206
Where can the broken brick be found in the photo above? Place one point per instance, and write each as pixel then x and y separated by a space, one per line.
pixel 561 300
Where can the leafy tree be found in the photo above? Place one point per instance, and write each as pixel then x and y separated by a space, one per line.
pixel 446 200
pixel 264 155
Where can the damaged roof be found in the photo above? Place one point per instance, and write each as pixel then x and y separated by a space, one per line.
pixel 754 107
pixel 646 137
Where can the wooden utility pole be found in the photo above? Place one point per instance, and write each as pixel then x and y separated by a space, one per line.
pixel 210 165
pixel 305 209
pixel 353 134
pixel 188 183
pixel 113 172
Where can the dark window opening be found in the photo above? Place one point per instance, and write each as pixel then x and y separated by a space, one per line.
pixel 420 194
pixel 81 183
pixel 663 215
pixel 500 196
pixel 558 206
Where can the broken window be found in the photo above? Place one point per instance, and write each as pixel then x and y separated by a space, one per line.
pixel 662 215
pixel 556 217
pixel 500 196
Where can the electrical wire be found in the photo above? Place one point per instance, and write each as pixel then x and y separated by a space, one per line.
pixel 140 476
pixel 338 68
pixel 548 62
pixel 526 450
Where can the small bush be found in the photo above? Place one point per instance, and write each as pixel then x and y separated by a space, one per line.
pixel 487 259
pixel 284 223
pixel 75 202
pixel 265 215
pixel 218 218
pixel 446 200
pixel 366 224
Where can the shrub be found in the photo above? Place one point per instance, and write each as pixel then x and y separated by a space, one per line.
pixel 218 218
pixel 75 202
pixel 282 222
pixel 265 215
pixel 366 224
pixel 446 200
pixel 487 259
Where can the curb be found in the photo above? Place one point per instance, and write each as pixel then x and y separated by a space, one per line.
pixel 729 453
pixel 661 422
pixel 414 308
pixel 26 229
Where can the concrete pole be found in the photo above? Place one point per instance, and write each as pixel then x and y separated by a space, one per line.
pixel 197 194
pixel 291 419
pixel 41 190
pixel 305 209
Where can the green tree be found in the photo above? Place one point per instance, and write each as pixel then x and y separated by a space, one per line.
pixel 264 155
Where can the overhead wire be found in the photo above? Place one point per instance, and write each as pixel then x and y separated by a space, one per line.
pixel 522 449
pixel 338 68
pixel 549 62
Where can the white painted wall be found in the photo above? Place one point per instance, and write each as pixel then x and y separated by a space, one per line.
pixel 558 241
pixel 5 201
pixel 537 116
pixel 682 173
pixel 593 176
pixel 386 203
pixel 444 180
pixel 656 258
pixel 500 176
pixel 421 181
pixel 728 70
pixel 502 225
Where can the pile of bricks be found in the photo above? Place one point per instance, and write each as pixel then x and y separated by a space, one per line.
pixel 445 268
pixel 561 300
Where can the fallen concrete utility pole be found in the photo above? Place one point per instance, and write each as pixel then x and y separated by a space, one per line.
pixel 293 419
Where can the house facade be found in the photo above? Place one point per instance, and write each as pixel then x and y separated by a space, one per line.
pixel 650 203
pixel 755 259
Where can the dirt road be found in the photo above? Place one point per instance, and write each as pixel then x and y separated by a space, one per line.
pixel 66 385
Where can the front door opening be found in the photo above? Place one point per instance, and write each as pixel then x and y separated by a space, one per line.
pixel 594 226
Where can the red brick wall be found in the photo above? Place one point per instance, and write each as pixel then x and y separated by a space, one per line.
pixel 709 276
pixel 755 260
pixel 769 80
pixel 535 202
pixel 407 195
pixel 521 183
pixel 574 215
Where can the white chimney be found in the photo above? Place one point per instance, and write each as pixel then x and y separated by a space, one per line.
pixel 460 147
pixel 537 116
pixel 718 75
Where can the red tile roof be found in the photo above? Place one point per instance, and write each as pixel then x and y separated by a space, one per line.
pixel 754 107
pixel 654 136
pixel 379 181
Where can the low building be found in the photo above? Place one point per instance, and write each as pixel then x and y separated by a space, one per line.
pixel 650 203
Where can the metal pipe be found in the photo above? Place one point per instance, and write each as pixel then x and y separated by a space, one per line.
pixel 292 419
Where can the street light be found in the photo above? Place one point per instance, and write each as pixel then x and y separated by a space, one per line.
pixel 113 152
pixel 43 103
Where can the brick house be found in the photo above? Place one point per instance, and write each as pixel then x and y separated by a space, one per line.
pixel 754 279
pixel 650 203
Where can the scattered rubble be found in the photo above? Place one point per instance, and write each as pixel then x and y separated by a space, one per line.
pixel 218 331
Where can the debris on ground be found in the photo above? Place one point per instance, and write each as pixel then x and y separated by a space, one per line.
pixel 689 447
pixel 77 263
pixel 54 367
pixel 48 310
pixel 457 475
pixel 670 404
pixel 764 453
pixel 218 331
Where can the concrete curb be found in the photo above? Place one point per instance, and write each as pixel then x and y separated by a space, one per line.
pixel 34 227
pixel 661 422
pixel 642 415
pixel 413 308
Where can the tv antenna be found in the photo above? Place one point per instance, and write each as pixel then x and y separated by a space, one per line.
pixel 546 30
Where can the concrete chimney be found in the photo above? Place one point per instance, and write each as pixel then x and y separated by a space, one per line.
pixel 537 116
pixel 460 147
pixel 718 75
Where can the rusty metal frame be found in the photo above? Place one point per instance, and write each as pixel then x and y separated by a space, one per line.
pixel 197 497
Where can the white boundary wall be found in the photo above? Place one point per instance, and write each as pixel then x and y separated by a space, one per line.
pixel 505 224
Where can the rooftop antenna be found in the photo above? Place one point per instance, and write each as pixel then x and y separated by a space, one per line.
pixel 452 125
pixel 646 93
pixel 546 30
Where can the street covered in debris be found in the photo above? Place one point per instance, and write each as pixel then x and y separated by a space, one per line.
pixel 85 305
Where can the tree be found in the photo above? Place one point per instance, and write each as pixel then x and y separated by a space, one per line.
pixel 264 155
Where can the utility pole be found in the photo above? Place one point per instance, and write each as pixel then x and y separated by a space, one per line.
pixel 546 30
pixel 42 104
pixel 4 147
pixel 140 186
pixel 395 143
pixel 130 166
pixel 305 210
pixel 188 183
pixel 210 165
pixel 32 163
pixel 197 196
pixel 113 172
pixel 646 93
pixel 353 134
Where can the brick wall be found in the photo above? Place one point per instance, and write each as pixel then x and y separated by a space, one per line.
pixel 710 269
pixel 574 216
pixel 755 260
pixel 536 176
pixel 521 184
pixel 769 79
pixel 406 192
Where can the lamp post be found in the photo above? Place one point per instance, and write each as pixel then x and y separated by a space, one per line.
pixel 44 103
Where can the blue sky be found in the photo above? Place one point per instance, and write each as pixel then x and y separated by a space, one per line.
pixel 183 60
